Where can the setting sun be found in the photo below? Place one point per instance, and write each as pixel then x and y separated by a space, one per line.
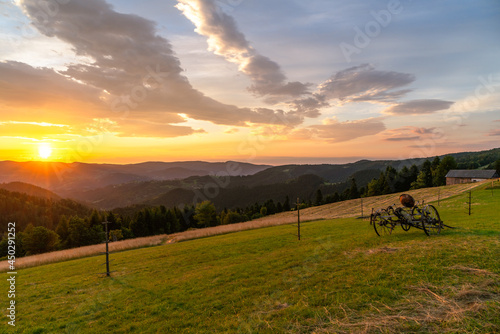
pixel 44 150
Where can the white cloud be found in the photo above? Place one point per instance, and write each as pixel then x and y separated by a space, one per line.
pixel 334 131
pixel 364 83
pixel 225 39
pixel 418 107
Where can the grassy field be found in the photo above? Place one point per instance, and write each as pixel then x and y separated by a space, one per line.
pixel 340 278
pixel 344 209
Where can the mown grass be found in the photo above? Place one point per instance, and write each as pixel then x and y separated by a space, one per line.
pixel 340 278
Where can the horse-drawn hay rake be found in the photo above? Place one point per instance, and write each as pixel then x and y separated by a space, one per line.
pixel 426 218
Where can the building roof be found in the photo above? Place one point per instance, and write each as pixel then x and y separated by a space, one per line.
pixel 473 174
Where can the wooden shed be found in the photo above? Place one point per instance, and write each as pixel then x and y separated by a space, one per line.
pixel 457 176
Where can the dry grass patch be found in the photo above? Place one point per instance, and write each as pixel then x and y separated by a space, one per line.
pixel 223 229
pixel 75 253
pixel 353 252
pixel 473 270
pixel 426 309
pixel 354 207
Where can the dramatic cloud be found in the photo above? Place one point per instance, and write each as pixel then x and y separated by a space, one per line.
pixel 418 107
pixel 135 70
pixel 364 83
pixel 140 128
pixel 309 106
pixel 24 86
pixel 335 131
pixel 225 39
pixel 410 133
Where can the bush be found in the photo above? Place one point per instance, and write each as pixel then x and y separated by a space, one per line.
pixel 40 240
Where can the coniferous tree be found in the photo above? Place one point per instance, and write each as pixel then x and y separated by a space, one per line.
pixel 400 183
pixel 62 230
pixel 424 178
pixel 448 163
pixel 353 190
pixel 286 204
pixel 319 198
pixel 427 169
pixel 390 177
pixel 139 225
pixel 279 207
pixel 271 207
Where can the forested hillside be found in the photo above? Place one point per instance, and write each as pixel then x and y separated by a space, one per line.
pixel 29 189
pixel 46 222
pixel 25 209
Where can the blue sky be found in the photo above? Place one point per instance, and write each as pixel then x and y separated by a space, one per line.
pixel 296 81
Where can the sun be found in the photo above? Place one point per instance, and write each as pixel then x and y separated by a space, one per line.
pixel 44 150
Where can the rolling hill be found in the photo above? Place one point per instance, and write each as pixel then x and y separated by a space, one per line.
pixel 33 205
pixel 29 189
pixel 343 209
pixel 228 184
pixel 271 183
pixel 64 179
pixel 340 278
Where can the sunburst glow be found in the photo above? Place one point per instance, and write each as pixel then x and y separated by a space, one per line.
pixel 44 150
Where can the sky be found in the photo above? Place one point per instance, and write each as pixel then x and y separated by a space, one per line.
pixel 275 81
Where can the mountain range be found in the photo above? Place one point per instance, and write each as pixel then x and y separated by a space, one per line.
pixel 66 178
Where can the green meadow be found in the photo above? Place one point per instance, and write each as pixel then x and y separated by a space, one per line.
pixel 340 278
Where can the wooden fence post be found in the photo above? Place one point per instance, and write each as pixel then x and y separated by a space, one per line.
pixel 470 202
pixel 107 249
pixel 362 215
pixel 298 218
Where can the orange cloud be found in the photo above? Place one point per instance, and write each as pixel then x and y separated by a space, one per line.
pixel 33 130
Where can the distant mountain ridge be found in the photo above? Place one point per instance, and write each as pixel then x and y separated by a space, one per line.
pixel 227 184
pixel 66 178
pixel 29 189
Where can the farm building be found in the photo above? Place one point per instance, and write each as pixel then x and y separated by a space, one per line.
pixel 456 176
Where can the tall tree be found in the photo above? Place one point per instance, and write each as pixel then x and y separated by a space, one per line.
pixel 139 225
pixel 435 163
pixel 62 230
pixel 205 214
pixel 353 190
pixel 271 207
pixel 424 178
pixel 448 163
pixel 427 170
pixel 373 188
pixel 82 234
pixel 286 204
pixel 319 197
pixel 391 175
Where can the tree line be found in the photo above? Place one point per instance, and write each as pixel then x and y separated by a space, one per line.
pixel 84 227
